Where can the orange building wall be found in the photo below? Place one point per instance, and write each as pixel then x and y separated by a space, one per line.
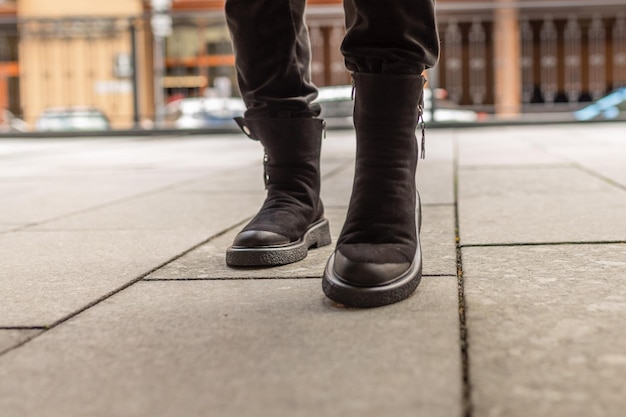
pixel 58 71
pixel 217 4
pixel 56 8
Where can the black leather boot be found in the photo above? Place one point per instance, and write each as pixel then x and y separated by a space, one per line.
pixel 378 260
pixel 291 219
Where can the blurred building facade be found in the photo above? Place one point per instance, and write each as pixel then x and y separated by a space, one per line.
pixel 507 56
pixel 500 56
pixel 512 56
pixel 77 53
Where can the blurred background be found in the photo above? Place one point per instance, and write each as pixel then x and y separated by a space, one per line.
pixel 74 65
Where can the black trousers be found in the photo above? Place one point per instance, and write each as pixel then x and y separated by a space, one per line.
pixel 272 50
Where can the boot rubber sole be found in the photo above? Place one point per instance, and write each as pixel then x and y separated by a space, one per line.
pixel 399 289
pixel 350 295
pixel 317 235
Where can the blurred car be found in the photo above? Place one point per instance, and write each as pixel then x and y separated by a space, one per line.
pixel 337 106
pixel 10 123
pixel 205 112
pixel 77 118
pixel 446 111
pixel 608 107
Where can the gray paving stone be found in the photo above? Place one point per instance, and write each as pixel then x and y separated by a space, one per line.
pixel 246 179
pixel 439 145
pixel 336 190
pixel 46 276
pixel 339 144
pixel 74 176
pixel 242 348
pixel 207 261
pixel 4 227
pixel 37 200
pixel 439 240
pixel 10 338
pixel 435 182
pixel 546 330
pixel 600 150
pixel 243 179
pixel 504 146
pixel 530 205
pixel 102 156
pixel 199 213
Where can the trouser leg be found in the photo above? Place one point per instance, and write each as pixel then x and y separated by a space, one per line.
pixel 272 57
pixel 397 36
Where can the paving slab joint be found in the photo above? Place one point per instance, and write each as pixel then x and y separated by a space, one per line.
pixel 519 244
pixel 466 406
pixel 110 294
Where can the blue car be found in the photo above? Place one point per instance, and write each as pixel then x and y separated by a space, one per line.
pixel 608 107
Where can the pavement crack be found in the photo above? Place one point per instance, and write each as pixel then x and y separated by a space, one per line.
pixel 23 328
pixel 463 329
pixel 547 243
pixel 112 293
pixel 100 206
pixel 223 279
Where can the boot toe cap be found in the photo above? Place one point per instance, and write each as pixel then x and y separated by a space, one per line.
pixel 259 238
pixel 367 274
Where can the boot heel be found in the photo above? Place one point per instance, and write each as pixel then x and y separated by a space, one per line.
pixel 319 235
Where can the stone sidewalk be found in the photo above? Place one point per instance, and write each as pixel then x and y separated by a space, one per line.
pixel 115 299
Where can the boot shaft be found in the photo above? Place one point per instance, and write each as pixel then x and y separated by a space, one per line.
pixel 291 161
pixel 394 101
pixel 383 201
pixel 387 110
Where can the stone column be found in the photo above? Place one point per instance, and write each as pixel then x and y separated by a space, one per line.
pixel 507 54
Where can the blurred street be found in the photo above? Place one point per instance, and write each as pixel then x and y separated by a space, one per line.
pixel 115 299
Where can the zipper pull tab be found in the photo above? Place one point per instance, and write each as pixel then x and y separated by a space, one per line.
pixel 420 121
pixel 266 177
pixel 353 88
pixel 324 129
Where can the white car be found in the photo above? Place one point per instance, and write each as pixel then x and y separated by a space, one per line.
pixel 205 112
pixel 74 118
pixel 336 104
pixel 446 110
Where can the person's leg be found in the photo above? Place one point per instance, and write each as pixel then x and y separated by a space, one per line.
pixel 272 56
pixel 377 260
pixel 390 37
